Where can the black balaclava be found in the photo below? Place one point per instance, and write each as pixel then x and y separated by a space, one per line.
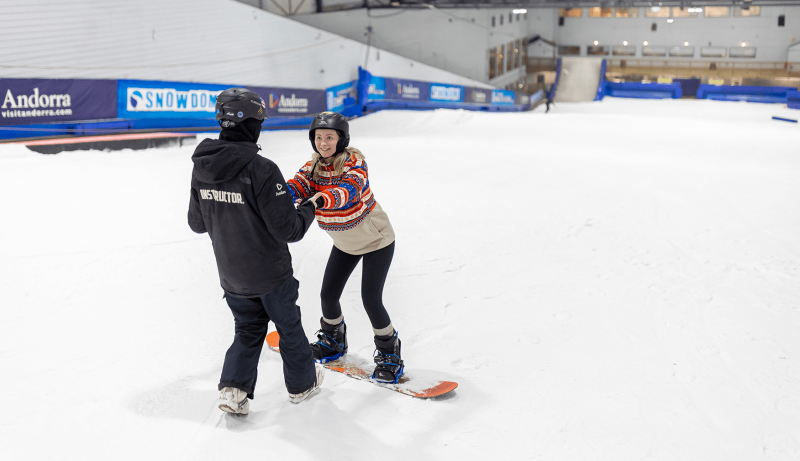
pixel 245 131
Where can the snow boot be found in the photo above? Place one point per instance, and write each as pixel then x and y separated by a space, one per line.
pixel 233 400
pixel 388 365
pixel 331 342
pixel 297 398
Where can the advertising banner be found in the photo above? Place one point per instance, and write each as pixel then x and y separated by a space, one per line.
pixel 335 95
pixel 138 99
pixel 503 97
pixel 401 89
pixel 478 95
pixel 377 88
pixel 447 93
pixel 292 102
pixel 32 100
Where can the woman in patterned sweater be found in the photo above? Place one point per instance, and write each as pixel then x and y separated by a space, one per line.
pixel 336 179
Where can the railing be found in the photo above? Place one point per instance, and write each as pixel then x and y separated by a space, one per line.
pixel 786 68
pixel 542 62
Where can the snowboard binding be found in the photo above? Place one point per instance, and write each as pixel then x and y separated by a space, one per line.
pixel 331 342
pixel 388 364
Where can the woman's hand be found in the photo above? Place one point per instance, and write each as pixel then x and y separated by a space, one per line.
pixel 317 196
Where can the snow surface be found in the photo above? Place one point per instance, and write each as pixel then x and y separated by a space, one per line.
pixel 609 281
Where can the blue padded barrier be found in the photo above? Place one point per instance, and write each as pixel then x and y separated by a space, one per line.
pixel 601 87
pixel 764 94
pixel 552 94
pixel 643 90
pixel 793 99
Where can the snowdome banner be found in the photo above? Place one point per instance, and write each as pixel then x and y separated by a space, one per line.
pixel 31 100
pixel 138 99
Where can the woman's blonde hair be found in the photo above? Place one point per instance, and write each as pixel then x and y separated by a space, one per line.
pixel 338 161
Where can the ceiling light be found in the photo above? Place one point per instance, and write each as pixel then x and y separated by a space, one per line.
pixel 597 43
pixel 645 43
pixel 744 44
pixel 685 43
pixel 625 43
pixel 670 21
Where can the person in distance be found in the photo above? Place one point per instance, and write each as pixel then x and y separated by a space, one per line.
pixel 336 180
pixel 241 200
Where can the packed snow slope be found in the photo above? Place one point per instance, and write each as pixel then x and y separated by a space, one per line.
pixel 610 281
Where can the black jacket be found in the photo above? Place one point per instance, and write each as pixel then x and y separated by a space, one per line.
pixel 242 201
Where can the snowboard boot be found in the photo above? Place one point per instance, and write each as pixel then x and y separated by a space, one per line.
pixel 388 365
pixel 297 398
pixel 233 400
pixel 331 342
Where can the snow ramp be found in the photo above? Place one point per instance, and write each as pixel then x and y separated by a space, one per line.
pixel 579 79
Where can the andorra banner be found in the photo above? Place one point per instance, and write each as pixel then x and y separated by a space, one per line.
pixel 27 101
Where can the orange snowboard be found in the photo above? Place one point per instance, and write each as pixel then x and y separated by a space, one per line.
pixel 362 370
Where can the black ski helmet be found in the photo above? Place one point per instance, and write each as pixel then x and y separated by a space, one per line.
pixel 235 105
pixel 331 121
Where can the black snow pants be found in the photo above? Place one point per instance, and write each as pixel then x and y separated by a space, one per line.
pixel 252 316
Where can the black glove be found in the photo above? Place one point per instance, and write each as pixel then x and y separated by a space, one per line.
pixel 319 202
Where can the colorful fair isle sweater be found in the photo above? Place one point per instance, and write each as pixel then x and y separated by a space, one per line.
pixel 348 198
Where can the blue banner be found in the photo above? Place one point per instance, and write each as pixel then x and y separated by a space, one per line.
pixel 335 95
pixel 140 99
pixel 32 100
pixel 447 93
pixel 503 97
pixel 377 88
pixel 478 95
pixel 402 89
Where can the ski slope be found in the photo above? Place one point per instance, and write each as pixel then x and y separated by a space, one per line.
pixel 610 281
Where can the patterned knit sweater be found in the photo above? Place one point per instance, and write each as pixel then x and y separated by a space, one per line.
pixel 348 198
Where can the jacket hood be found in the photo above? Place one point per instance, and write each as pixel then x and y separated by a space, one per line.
pixel 218 161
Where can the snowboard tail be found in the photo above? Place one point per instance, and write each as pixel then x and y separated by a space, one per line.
pixel 362 370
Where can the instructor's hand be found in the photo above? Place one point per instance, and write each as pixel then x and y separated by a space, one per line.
pixel 316 200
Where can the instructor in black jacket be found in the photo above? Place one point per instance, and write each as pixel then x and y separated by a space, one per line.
pixel 242 201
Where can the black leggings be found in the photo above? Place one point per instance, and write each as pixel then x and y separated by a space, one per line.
pixel 375 267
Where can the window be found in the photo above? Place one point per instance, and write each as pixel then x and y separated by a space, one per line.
pixel 753 11
pixel 517 53
pixel 501 19
pixel 626 12
pixel 743 52
pixel 569 50
pixel 654 51
pixel 510 18
pixel 620 50
pixel 501 50
pixel 781 20
pixel 598 12
pixel 678 12
pixel 681 51
pixel 713 52
pixel 511 56
pixel 492 21
pixel 492 63
pixel 570 12
pixel 656 12
pixel 717 11
pixel 594 50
